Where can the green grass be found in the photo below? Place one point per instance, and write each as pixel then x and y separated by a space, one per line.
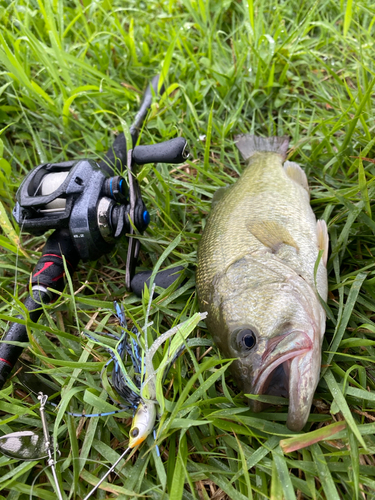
pixel 69 73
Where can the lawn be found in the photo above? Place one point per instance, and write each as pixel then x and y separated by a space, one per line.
pixel 72 74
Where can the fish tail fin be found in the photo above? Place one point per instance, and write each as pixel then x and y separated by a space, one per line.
pixel 251 144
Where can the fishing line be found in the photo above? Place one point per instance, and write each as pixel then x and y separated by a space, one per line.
pixel 57 462
pixel 42 445
pixel 107 474
pixel 28 381
pixel 30 445
pixel 144 418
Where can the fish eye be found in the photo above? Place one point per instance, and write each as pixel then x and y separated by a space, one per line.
pixel 246 339
pixel 134 433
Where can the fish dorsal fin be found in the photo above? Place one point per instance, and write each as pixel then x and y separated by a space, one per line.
pixel 218 195
pixel 323 239
pixel 272 235
pixel 251 144
pixel 295 172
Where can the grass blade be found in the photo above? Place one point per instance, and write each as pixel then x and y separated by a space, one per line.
pixel 348 16
pixel 283 473
pixel 177 488
pixel 299 442
pixel 348 309
pixel 324 473
pixel 343 406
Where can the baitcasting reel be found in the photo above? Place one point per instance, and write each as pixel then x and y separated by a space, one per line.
pixel 90 208
pixel 82 197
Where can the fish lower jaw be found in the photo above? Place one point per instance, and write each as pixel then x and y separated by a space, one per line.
pixel 277 379
pixel 263 381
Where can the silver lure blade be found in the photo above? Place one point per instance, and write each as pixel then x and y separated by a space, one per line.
pixel 24 445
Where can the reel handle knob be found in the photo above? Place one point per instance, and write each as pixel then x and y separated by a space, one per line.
pixel 173 151
pixel 162 279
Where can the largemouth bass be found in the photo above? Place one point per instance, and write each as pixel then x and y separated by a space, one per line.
pixel 255 278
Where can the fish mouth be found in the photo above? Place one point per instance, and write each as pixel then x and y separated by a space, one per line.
pixel 289 369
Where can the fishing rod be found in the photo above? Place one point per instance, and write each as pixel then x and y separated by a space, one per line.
pixel 90 208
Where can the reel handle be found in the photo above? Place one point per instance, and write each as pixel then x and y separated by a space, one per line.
pixel 172 151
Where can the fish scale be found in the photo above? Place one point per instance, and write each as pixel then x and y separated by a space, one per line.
pixel 226 235
pixel 255 277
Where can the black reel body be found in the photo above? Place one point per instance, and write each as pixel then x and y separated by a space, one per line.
pixel 90 209
pixel 81 197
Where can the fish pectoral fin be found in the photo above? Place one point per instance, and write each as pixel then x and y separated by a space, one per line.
pixel 272 235
pixel 218 195
pixel 295 172
pixel 323 239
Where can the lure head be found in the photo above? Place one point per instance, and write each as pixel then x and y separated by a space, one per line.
pixel 143 423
